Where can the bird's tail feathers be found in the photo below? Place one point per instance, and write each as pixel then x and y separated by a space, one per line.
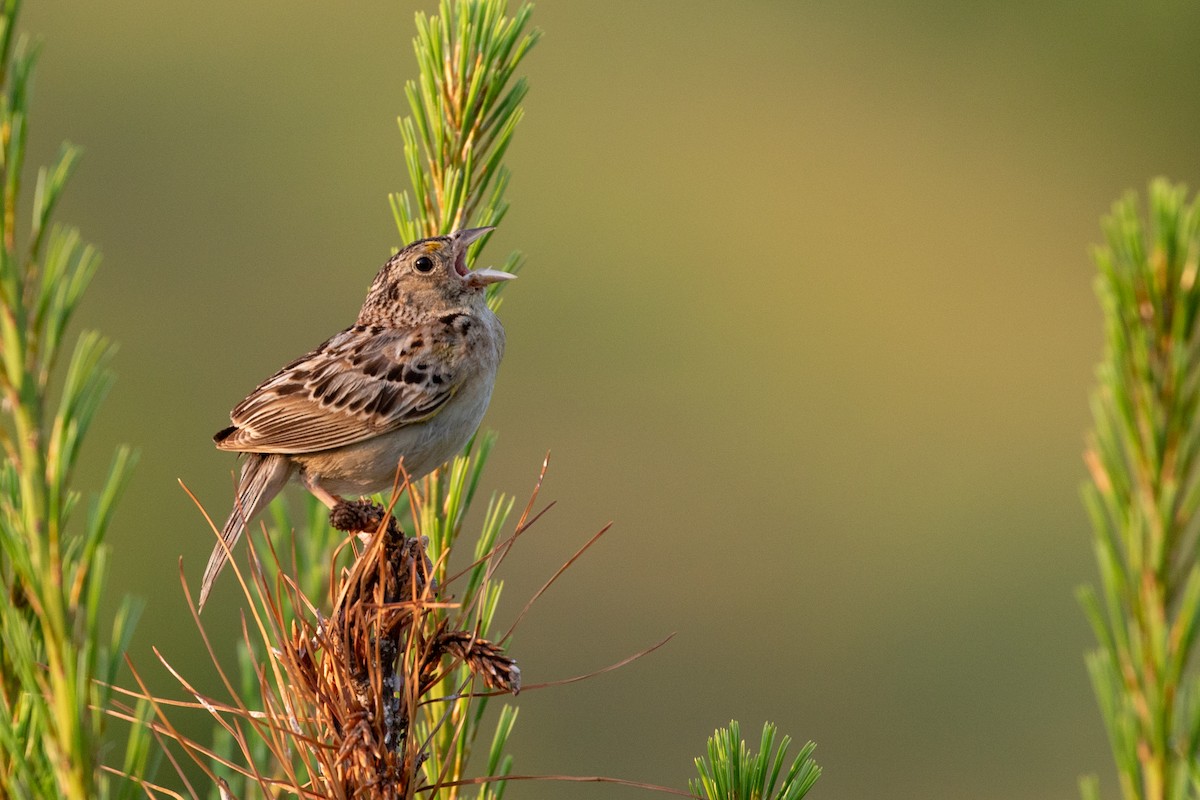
pixel 262 478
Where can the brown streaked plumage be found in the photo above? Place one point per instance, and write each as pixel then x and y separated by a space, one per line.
pixel 408 382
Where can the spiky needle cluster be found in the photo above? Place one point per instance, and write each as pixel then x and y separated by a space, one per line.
pixel 57 659
pixel 464 107
pixel 1144 498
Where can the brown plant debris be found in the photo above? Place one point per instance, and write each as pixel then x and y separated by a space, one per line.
pixel 356 515
pixel 368 667
pixel 485 659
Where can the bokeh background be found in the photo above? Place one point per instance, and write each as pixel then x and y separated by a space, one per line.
pixel 807 313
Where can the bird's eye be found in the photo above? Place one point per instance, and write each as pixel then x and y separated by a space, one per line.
pixel 423 264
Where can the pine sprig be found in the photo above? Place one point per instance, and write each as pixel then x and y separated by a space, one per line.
pixel 58 659
pixel 464 108
pixel 732 772
pixel 1145 493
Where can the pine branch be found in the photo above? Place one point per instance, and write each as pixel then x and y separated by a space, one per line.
pixel 55 665
pixel 1145 493
pixel 464 108
pixel 732 772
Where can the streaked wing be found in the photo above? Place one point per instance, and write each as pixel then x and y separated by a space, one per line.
pixel 362 382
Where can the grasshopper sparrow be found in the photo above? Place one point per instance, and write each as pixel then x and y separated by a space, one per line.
pixel 408 382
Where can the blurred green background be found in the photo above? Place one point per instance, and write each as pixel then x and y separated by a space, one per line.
pixel 807 312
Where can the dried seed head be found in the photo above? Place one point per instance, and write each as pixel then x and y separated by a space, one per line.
pixel 485 659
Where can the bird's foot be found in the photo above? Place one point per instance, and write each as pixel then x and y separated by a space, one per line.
pixel 356 515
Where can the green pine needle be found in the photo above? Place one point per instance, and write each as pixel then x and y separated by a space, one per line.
pixel 732 772
pixel 463 110
pixel 1144 459
pixel 59 659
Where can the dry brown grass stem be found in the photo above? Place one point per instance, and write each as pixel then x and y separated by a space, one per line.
pixel 354 702
pixel 340 694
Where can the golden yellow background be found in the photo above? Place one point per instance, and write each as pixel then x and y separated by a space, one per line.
pixel 807 313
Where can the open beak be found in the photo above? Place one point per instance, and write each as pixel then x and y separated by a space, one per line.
pixel 479 277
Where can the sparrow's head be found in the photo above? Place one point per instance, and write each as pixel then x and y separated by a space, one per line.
pixel 426 276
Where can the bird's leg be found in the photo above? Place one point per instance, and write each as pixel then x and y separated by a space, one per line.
pixel 318 491
pixel 344 515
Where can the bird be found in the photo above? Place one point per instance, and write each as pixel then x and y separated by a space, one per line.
pixel 407 384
